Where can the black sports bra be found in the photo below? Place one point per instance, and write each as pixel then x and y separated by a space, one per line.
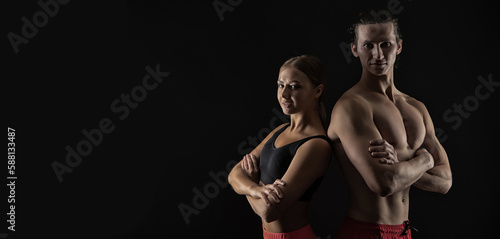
pixel 274 161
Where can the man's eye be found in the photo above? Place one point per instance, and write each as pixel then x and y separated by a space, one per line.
pixel 294 87
pixel 385 44
pixel 368 45
pixel 280 86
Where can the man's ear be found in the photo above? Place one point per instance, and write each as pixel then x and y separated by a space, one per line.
pixel 354 50
pixel 400 47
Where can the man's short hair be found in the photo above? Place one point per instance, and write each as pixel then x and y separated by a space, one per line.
pixel 374 17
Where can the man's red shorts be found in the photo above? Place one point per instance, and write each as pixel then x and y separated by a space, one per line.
pixel 351 228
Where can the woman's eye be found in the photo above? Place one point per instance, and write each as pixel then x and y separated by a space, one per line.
pixel 293 87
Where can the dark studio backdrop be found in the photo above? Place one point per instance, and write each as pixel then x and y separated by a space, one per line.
pixel 128 115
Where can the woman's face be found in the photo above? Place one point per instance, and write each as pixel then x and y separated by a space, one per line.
pixel 296 92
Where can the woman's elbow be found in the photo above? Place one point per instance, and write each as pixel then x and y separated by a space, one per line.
pixel 270 215
pixel 230 178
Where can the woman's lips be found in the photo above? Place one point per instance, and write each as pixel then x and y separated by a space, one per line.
pixel 286 104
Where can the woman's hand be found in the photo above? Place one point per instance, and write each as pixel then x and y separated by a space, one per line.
pixel 265 192
pixel 250 166
pixel 379 148
pixel 269 191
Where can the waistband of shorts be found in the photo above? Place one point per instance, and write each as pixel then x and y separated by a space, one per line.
pixel 301 233
pixel 398 228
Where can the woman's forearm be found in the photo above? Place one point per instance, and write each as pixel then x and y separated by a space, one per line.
pixel 265 212
pixel 240 181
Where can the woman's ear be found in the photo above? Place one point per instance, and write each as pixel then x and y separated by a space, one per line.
pixel 319 90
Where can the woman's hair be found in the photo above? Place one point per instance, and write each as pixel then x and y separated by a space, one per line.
pixel 314 69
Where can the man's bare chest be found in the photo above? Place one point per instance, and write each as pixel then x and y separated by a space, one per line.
pixel 400 124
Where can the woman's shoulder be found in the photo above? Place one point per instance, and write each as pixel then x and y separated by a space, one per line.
pixel 279 128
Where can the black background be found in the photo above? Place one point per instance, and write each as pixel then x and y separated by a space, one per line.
pixel 221 91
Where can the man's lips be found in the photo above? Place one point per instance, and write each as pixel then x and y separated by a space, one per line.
pixel 378 63
pixel 286 104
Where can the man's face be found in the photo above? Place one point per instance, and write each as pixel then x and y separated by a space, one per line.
pixel 377 48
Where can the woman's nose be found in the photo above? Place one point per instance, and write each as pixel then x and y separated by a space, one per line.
pixel 285 93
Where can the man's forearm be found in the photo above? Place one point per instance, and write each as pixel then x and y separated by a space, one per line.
pixel 436 179
pixel 402 175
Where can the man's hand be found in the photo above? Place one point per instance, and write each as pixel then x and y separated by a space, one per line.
pixel 250 166
pixel 424 151
pixel 379 148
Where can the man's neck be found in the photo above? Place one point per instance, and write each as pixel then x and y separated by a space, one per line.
pixel 383 84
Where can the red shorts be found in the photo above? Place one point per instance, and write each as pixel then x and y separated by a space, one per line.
pixel 351 228
pixel 302 233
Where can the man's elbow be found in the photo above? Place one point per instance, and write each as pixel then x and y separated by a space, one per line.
pixel 446 187
pixel 444 183
pixel 385 190
pixel 382 189
pixel 384 186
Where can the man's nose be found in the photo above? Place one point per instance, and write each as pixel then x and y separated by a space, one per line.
pixel 378 53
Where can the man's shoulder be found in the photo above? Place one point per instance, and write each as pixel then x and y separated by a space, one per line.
pixel 349 109
pixel 349 96
pixel 351 105
pixel 351 99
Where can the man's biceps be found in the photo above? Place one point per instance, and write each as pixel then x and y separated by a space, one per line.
pixel 363 161
pixel 434 147
pixel 353 133
pixel 356 149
